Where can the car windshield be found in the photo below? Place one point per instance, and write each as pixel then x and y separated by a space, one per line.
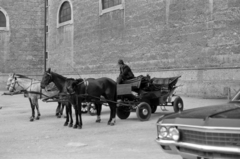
pixel 236 97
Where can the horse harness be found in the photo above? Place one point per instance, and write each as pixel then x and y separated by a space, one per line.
pixel 86 84
pixel 25 91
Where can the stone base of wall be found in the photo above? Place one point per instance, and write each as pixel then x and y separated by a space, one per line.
pixel 204 83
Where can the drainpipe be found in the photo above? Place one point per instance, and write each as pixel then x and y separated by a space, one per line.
pixel 45 35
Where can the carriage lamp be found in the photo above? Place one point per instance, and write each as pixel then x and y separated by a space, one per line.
pixel 173 133
pixel 163 132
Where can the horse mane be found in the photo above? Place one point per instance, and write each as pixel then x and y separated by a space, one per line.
pixel 22 76
pixel 79 80
pixel 61 76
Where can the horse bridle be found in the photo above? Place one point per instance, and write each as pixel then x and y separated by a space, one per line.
pixel 49 74
pixel 16 82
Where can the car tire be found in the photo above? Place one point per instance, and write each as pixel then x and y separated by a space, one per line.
pixel 178 104
pixel 143 111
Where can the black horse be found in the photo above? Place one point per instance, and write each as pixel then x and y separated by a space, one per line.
pixel 92 90
pixel 62 84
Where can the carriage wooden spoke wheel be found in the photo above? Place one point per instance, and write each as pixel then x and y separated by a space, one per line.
pixel 92 109
pixel 144 111
pixel 178 105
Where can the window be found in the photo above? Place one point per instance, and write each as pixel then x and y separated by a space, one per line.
pixel 65 12
pixel 2 20
pixel 110 5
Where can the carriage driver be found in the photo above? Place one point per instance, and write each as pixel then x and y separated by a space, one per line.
pixel 125 72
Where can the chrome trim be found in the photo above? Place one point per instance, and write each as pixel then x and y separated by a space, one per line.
pixel 201 127
pixel 200 147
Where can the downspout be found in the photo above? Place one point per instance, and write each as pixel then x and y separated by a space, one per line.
pixel 45 35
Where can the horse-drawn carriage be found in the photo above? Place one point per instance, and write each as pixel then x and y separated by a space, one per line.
pixel 141 94
pixel 144 95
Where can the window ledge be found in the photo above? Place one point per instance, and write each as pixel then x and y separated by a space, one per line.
pixel 64 23
pixel 4 29
pixel 120 6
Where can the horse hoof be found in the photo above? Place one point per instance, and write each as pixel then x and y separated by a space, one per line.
pixel 98 120
pixel 59 116
pixel 112 124
pixel 65 124
pixel 31 118
pixel 37 118
pixel 75 127
pixel 79 126
pixel 70 125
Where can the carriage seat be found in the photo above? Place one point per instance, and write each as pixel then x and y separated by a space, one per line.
pixel 135 82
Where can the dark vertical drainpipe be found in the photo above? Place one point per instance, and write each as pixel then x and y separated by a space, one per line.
pixel 45 34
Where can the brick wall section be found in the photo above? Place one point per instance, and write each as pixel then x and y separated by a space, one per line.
pixel 160 37
pixel 151 35
pixel 22 46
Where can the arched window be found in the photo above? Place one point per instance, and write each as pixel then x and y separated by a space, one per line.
pixel 106 6
pixel 65 12
pixel 3 22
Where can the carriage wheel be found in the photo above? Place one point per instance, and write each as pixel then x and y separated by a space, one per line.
pixel 123 112
pixel 92 109
pixel 178 104
pixel 144 111
pixel 84 108
pixel 153 104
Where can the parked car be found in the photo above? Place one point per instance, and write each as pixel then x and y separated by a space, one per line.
pixel 211 132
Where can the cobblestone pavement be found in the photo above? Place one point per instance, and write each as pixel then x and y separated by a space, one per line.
pixel 47 138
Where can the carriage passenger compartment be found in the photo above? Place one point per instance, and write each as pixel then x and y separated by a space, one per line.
pixel 164 85
pixel 129 91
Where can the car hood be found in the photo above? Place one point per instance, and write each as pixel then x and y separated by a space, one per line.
pixel 216 115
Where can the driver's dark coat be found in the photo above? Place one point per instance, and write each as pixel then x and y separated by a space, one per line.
pixel 126 73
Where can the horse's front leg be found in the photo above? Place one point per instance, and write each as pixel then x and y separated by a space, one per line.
pixel 70 113
pixel 99 109
pixel 67 118
pixel 33 111
pixel 78 108
pixel 80 113
pixel 76 115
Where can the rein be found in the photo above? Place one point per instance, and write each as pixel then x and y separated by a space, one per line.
pixel 25 91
